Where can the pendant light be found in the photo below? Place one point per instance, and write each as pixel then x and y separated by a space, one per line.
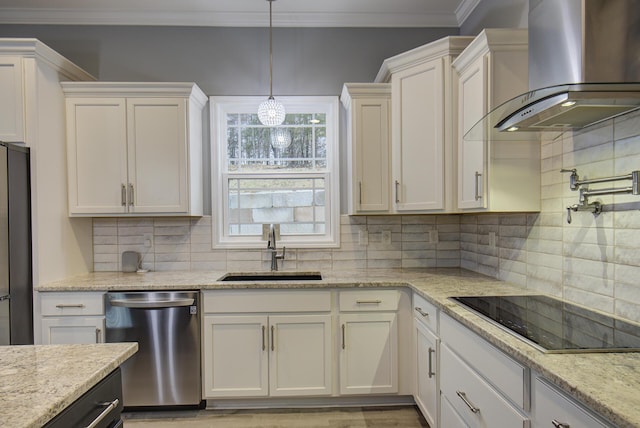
pixel 271 112
pixel 280 138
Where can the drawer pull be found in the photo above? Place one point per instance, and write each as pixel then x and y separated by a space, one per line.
pixel 368 302
pixel 69 305
pixel 464 398
pixel 421 312
pixel 431 372
pixel 110 406
pixel 557 424
pixel 98 334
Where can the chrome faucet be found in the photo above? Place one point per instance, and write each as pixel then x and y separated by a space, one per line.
pixel 271 246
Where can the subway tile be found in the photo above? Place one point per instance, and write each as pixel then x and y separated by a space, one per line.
pixel 418 245
pixel 627 310
pixel 384 263
pixel 418 263
pixel 418 219
pixel 589 284
pixel 105 267
pixel 448 263
pixel 244 265
pixel 591 300
pixel 627 274
pixel 383 220
pixel 626 126
pixel 544 285
pixel 627 256
pixel 171 266
pixel 208 266
pixel 349 264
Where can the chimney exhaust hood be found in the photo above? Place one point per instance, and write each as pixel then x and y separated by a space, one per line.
pixel 584 68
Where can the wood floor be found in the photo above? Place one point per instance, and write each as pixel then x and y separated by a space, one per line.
pixel 378 417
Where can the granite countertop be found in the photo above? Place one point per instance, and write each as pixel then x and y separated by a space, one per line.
pixel 39 381
pixel 606 382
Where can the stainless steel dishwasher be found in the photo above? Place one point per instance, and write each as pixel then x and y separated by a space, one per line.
pixel 166 369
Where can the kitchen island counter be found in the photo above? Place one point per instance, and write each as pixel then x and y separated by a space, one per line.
pixel 40 381
pixel 608 383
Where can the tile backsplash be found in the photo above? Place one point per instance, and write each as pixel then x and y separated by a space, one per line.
pixel 594 261
pixel 185 244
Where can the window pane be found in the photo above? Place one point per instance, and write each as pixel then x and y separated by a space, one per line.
pixel 297 204
pixel 250 147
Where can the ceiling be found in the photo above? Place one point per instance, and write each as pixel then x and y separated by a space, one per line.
pixel 240 13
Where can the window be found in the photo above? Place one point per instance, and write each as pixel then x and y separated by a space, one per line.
pixel 255 182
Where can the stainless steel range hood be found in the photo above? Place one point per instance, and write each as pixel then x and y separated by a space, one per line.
pixel 584 67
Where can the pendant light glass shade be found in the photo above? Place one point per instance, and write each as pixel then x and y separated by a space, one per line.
pixel 280 138
pixel 271 112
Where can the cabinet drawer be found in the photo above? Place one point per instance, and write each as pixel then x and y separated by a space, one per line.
pixel 71 303
pixel 369 300
pixel 508 376
pixel 426 312
pixel 552 405
pixel 474 399
pixel 229 301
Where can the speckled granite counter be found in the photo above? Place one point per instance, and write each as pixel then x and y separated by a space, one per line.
pixel 608 383
pixel 38 382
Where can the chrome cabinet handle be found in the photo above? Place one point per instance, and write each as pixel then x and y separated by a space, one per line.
pixel 110 406
pixel 421 312
pixel 70 305
pixel 368 302
pixel 471 407
pixel 557 424
pixel 397 194
pixel 264 340
pixel 343 337
pixel 273 341
pixel 98 332
pixel 478 196
pixel 131 199
pixel 431 372
pixel 123 195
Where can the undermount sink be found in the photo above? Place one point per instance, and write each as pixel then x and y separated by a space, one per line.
pixel 272 276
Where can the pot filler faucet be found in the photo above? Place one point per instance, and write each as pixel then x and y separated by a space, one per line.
pixel 271 246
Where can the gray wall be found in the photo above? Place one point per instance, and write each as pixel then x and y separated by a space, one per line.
pixel 496 14
pixel 231 61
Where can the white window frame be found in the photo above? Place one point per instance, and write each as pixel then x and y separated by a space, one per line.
pixel 219 106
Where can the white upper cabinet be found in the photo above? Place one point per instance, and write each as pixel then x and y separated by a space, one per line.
pixel 423 125
pixel 368 149
pixel 12 102
pixel 494 175
pixel 134 149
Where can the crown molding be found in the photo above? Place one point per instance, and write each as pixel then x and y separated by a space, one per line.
pixel 71 16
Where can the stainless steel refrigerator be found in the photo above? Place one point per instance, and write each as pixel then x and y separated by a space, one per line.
pixel 16 280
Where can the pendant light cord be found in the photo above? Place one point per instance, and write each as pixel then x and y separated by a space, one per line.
pixel 270 50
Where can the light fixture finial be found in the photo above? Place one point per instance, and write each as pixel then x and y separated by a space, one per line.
pixel 271 112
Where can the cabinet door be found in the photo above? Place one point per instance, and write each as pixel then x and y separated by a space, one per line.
pixel 427 390
pixel 235 356
pixel 368 353
pixel 300 359
pixel 97 155
pixel 72 330
pixel 472 93
pixel 11 102
pixel 418 137
pixel 371 158
pixel 157 155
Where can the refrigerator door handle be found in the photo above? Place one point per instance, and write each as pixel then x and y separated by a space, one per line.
pixel 5 297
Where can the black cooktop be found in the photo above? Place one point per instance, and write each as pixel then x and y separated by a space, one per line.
pixel 554 326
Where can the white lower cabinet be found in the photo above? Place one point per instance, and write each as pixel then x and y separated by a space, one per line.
pixel 369 341
pixel 553 408
pixel 368 353
pixel 477 402
pixel 265 354
pixel 427 352
pixel 484 386
pixel 72 318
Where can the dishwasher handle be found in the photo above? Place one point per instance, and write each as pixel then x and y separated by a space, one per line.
pixel 151 304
